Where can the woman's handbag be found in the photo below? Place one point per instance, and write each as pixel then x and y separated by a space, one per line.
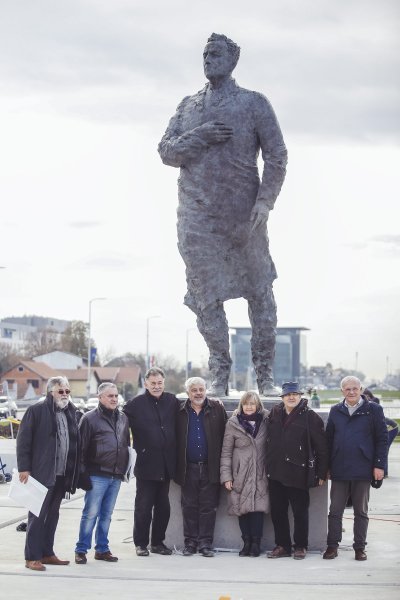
pixel 312 477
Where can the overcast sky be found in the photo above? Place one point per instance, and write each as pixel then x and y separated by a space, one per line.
pixel 86 91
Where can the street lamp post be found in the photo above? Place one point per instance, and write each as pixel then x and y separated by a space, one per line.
pixel 187 351
pixel 147 339
pixel 89 355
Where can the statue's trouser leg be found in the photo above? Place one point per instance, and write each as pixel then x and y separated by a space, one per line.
pixel 262 315
pixel 213 326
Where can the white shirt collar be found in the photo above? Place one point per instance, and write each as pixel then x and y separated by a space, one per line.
pixel 354 406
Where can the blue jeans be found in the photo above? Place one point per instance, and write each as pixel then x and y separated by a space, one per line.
pixel 99 506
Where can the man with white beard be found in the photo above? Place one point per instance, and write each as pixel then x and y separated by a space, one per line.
pixel 47 449
pixel 200 431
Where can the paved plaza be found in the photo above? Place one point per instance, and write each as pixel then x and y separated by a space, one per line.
pixel 196 578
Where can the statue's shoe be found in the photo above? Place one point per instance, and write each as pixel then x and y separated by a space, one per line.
pixel 270 391
pixel 217 391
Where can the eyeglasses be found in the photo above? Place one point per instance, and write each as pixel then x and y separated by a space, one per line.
pixel 67 392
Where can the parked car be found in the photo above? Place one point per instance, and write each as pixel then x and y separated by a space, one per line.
pixel 80 404
pixel 8 407
pixel 92 403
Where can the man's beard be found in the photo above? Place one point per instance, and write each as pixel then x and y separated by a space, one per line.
pixel 61 403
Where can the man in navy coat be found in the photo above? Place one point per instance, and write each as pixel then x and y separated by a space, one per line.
pixel 358 444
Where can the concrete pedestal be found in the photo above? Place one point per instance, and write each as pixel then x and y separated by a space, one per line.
pixel 227 533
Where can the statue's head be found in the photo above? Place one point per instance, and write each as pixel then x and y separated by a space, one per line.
pixel 220 56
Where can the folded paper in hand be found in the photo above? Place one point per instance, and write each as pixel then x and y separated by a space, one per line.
pixel 30 494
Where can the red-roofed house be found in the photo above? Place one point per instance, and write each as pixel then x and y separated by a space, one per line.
pixel 25 375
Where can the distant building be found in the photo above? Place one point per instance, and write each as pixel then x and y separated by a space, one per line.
pixel 15 334
pixel 58 359
pixel 290 356
pixel 16 330
pixel 28 378
pixel 59 325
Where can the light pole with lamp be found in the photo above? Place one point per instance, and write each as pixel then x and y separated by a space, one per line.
pixel 89 356
pixel 147 339
pixel 187 350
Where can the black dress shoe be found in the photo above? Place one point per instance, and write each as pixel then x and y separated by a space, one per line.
pixel 142 551
pixel 279 552
pixel 107 556
pixel 160 549
pixel 299 553
pixel 80 558
pixel 255 547
pixel 189 551
pixel 360 554
pixel 330 553
pixel 245 551
pixel 207 552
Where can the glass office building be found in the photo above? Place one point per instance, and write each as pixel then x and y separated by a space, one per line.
pixel 290 356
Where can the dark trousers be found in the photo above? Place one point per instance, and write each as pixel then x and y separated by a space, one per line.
pixel 280 497
pixel 251 525
pixel 41 530
pixel 199 500
pixel 340 491
pixel 151 508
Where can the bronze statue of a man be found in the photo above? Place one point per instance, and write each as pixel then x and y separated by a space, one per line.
pixel 215 138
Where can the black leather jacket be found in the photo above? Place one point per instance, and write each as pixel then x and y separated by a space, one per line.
pixel 104 442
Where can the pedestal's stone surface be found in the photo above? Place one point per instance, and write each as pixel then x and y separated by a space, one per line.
pixel 227 532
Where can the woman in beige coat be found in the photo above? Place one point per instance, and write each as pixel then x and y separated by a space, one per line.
pixel 243 469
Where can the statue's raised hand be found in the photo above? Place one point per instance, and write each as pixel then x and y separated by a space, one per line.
pixel 214 132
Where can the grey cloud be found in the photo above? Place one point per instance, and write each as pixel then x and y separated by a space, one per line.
pixel 385 244
pixel 330 69
pixel 391 241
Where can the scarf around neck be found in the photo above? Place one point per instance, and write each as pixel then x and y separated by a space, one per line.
pixel 244 421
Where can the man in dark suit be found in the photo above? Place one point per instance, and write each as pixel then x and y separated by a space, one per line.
pixel 200 433
pixel 152 418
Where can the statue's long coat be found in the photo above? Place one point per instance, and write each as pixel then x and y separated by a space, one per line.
pixel 218 187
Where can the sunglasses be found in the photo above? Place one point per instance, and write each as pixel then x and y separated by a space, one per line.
pixel 67 392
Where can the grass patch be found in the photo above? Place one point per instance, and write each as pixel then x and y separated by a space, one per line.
pixel 332 396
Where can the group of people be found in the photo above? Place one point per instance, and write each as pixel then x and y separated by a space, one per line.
pixel 265 460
